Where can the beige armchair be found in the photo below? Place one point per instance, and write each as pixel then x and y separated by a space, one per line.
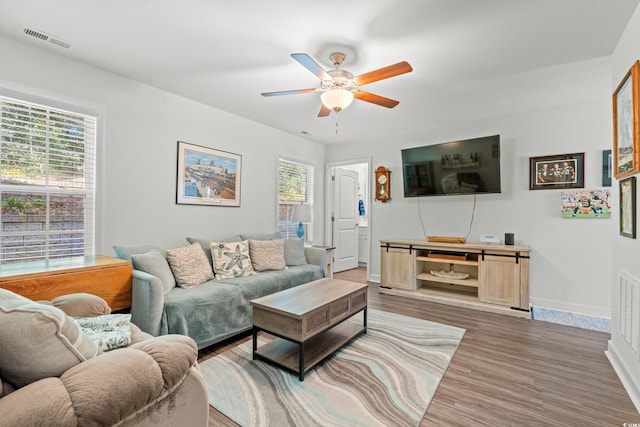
pixel 52 374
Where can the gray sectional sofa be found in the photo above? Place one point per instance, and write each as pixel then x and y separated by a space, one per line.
pixel 216 309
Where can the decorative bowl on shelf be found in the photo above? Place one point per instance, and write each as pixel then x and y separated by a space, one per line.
pixel 449 274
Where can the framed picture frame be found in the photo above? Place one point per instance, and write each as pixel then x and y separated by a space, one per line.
pixel 556 171
pixel 626 124
pixel 628 207
pixel 607 168
pixel 207 176
pixel 595 203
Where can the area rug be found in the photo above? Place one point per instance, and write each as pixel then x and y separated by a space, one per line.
pixel 386 377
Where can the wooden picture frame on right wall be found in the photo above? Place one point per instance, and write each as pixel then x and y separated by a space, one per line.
pixel 628 207
pixel 626 124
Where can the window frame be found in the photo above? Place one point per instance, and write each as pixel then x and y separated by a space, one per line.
pixel 92 151
pixel 309 196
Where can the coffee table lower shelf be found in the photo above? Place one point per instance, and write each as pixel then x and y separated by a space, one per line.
pixel 290 354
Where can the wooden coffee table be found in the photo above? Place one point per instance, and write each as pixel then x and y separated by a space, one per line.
pixel 310 322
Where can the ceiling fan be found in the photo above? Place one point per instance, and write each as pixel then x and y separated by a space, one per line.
pixel 338 87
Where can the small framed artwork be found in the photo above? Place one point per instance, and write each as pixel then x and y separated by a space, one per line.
pixel 586 204
pixel 556 172
pixel 207 176
pixel 626 124
pixel 607 168
pixel 628 207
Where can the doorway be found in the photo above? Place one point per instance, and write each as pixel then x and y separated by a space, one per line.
pixel 348 213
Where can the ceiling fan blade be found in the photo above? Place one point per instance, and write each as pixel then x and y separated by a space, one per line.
pixel 289 92
pixel 324 111
pixel 375 99
pixel 383 73
pixel 311 65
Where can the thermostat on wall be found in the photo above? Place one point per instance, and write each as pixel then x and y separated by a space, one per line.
pixel 489 238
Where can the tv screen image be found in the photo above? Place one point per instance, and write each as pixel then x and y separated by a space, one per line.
pixel 470 166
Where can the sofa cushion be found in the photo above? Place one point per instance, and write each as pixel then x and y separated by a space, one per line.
pixel 155 263
pixel 231 259
pixel 220 311
pixel 269 282
pixel 262 236
pixel 206 244
pixel 125 251
pixel 38 340
pixel 267 255
pixel 294 252
pixel 189 265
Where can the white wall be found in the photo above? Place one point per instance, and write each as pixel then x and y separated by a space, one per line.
pixel 139 140
pixel 626 251
pixel 571 258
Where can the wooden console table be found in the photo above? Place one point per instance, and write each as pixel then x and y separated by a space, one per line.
pixel 107 277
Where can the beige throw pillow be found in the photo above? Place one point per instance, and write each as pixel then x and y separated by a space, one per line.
pixel 231 259
pixel 267 255
pixel 189 265
pixel 38 340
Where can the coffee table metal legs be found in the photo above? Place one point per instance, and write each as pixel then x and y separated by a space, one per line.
pixel 301 362
pixel 255 342
pixel 302 346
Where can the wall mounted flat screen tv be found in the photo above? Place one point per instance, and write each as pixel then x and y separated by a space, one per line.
pixel 470 166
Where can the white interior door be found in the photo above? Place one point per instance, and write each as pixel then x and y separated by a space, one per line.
pixel 345 220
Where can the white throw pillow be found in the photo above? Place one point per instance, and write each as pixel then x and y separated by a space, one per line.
pixel 231 259
pixel 107 331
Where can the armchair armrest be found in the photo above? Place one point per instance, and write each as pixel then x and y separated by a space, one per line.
pixel 317 256
pixel 147 302
pixel 107 389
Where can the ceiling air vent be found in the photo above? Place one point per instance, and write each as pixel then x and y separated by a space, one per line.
pixel 40 35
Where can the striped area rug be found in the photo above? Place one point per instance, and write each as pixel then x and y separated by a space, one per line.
pixel 386 377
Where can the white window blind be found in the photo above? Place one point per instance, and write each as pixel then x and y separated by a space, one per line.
pixel 47 182
pixel 295 186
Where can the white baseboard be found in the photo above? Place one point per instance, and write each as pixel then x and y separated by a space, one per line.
pixel 632 389
pixel 375 278
pixel 588 310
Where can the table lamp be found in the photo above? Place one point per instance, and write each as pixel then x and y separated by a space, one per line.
pixel 302 215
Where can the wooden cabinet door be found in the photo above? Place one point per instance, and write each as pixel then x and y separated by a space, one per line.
pixel 500 281
pixel 397 268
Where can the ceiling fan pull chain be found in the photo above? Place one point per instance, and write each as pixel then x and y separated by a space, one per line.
pixel 336 122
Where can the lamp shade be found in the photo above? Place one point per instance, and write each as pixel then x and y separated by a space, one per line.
pixel 337 99
pixel 301 213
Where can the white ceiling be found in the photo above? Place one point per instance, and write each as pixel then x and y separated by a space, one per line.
pixel 470 58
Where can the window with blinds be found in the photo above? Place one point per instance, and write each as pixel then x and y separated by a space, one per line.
pixel 295 186
pixel 47 182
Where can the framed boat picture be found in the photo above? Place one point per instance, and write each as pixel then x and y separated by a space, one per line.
pixel 207 176
pixel 626 124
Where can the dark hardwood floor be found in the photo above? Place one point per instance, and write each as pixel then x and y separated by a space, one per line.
pixel 507 371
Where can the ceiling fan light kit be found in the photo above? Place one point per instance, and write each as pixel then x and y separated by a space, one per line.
pixel 337 99
pixel 339 87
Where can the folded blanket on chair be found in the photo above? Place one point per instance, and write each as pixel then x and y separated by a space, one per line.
pixel 108 331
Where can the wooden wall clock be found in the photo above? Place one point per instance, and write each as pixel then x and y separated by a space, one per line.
pixel 383 184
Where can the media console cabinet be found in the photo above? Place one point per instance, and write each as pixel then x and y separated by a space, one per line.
pixel 497 276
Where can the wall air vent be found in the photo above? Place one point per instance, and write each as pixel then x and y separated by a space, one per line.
pixel 41 35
